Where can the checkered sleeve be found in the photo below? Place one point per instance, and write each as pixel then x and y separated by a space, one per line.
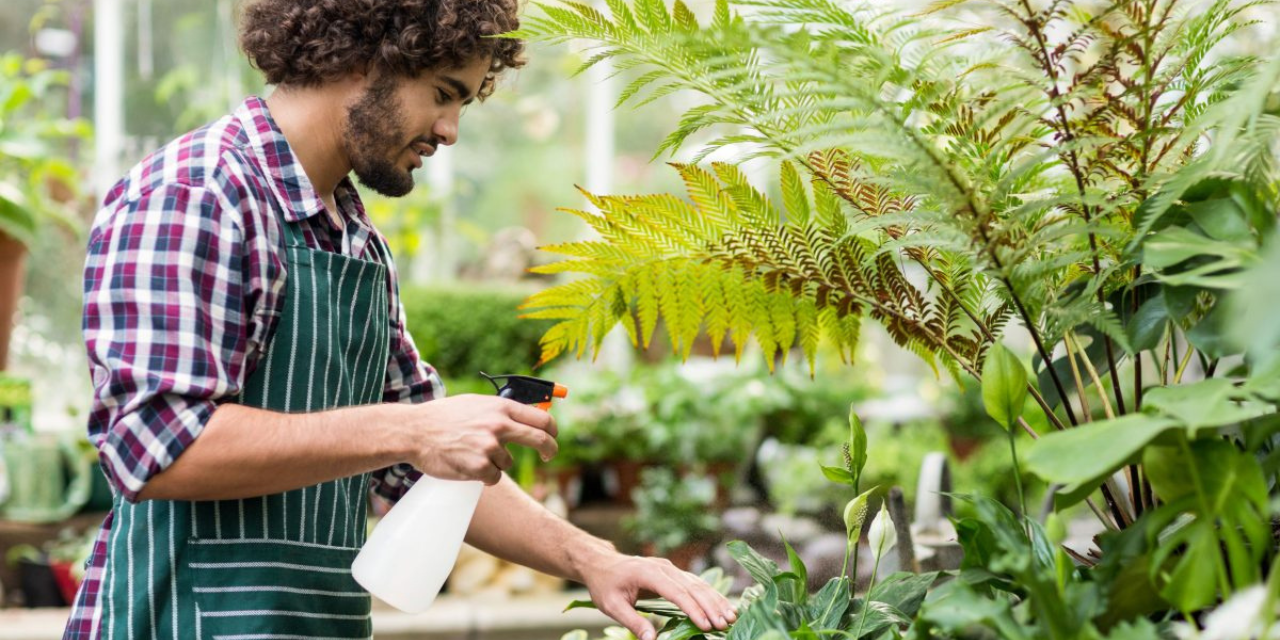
pixel 410 380
pixel 165 323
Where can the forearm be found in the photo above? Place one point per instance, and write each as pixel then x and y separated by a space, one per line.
pixel 244 452
pixel 512 526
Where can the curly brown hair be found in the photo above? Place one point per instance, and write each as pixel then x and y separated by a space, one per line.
pixel 310 42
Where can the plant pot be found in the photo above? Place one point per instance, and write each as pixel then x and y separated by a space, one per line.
pixel 12 256
pixel 620 478
pixel 67 583
pixel 566 480
pixel 39 586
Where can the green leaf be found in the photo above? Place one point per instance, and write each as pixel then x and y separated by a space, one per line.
pixel 879 616
pixel 1209 336
pixel 1004 386
pixel 581 604
pixel 761 569
pixel 794 196
pixel 838 475
pixel 1081 458
pixel 855 513
pixel 798 568
pixel 857 445
pixel 16 219
pixel 904 591
pixel 680 629
pixel 1204 404
pixel 1148 326
pixel 1193 584
pixel 828 606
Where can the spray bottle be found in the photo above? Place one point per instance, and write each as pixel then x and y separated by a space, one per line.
pixel 410 553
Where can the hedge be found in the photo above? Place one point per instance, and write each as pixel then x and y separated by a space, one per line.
pixel 463 329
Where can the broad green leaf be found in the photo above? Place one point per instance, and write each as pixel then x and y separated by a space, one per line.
pixel 1081 458
pixel 680 629
pixel 1177 244
pixel 904 591
pixel 828 606
pixel 879 616
pixel 1221 219
pixel 955 606
pixel 1004 386
pixel 1254 307
pixel 1193 583
pixel 1147 327
pixel 761 569
pixel 1207 403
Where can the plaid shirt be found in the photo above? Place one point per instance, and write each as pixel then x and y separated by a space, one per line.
pixel 183 287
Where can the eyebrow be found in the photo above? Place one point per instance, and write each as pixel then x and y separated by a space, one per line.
pixel 459 88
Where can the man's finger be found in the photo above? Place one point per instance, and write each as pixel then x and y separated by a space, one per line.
pixel 533 417
pixel 525 435
pixel 680 596
pixel 627 616
pixel 712 602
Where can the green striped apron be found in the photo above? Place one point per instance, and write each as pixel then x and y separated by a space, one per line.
pixel 276 566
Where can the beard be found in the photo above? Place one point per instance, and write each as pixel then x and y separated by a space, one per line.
pixel 374 134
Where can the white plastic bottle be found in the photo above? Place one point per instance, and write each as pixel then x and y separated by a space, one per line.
pixel 413 549
pixel 410 553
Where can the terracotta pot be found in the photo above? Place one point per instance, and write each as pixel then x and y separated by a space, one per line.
pixel 67 583
pixel 12 255
pixel 623 478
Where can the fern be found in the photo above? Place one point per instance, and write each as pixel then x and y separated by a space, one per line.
pixel 1006 162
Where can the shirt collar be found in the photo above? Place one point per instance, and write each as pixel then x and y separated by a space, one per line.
pixel 289 181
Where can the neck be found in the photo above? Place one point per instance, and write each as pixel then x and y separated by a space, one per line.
pixel 311 119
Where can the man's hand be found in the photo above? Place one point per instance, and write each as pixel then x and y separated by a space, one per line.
pixel 463 437
pixel 617 581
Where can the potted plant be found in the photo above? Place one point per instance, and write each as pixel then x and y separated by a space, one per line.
pixel 1097 174
pixel 37 176
pixel 675 516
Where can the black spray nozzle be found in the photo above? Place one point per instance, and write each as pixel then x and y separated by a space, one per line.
pixel 527 389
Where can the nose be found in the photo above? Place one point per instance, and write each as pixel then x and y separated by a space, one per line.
pixel 445 128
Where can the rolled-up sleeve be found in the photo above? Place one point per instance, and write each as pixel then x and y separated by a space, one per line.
pixel 166 325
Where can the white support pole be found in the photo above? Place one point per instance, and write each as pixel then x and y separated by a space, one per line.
pixel 442 264
pixel 108 92
pixel 601 93
pixel 616 352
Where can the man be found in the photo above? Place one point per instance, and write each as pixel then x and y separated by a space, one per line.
pixel 252 374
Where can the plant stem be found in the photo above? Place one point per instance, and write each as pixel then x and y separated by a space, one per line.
pixel 1017 477
pixel 866 602
pixel 1101 517
pixel 1182 366
pixel 1081 391
pixel 1097 380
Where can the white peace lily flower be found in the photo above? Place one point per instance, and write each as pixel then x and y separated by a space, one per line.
pixel 1239 618
pixel 882 536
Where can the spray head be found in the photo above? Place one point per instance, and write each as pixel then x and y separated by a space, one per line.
pixel 527 389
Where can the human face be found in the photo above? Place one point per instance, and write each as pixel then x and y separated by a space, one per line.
pixel 397 121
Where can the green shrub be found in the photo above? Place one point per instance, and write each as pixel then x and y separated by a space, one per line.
pixel 464 329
